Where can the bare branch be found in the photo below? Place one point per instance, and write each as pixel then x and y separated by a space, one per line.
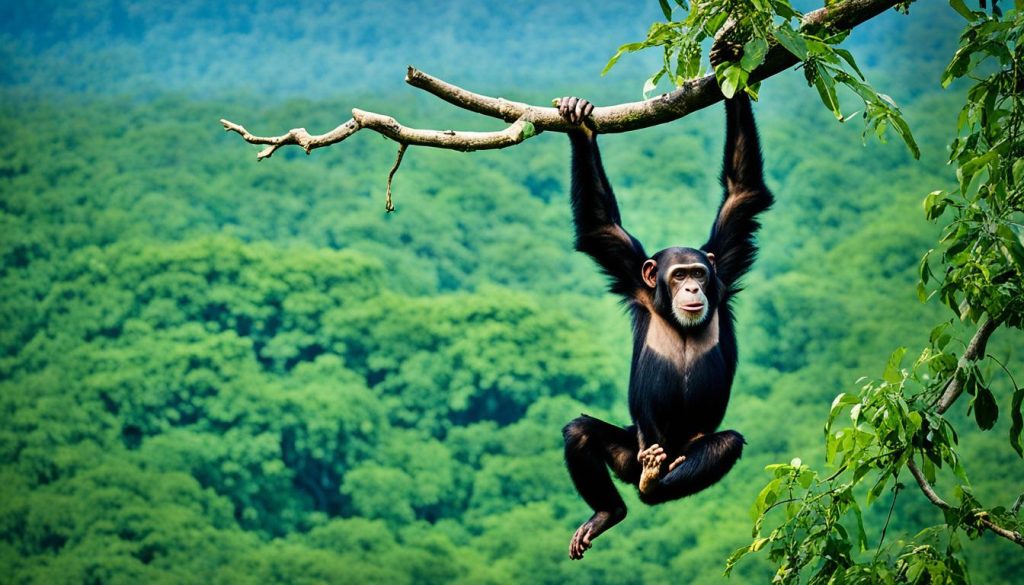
pixel 449 139
pixel 529 120
pixel 389 127
pixel 297 136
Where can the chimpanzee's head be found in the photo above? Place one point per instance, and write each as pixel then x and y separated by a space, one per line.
pixel 686 288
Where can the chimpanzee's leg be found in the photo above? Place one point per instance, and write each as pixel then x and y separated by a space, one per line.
pixel 591 447
pixel 701 464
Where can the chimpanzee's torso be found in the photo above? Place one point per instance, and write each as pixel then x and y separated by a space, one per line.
pixel 679 382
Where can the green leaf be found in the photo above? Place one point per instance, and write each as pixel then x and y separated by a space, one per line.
pixel 848 57
pixel 928 468
pixel 753 54
pixel 877 489
pixel 627 48
pixel 731 79
pixel 805 478
pixel 1017 418
pixel 768 496
pixel 715 22
pixel 842 400
pixel 985 409
pixel 860 472
pixel 791 40
pixel 913 422
pixel 752 90
pixel 785 10
pixel 666 9
pixel 831 444
pixel 1013 246
pixel 964 11
pixel 937 332
pixel 935 204
pixel 827 90
pixel 735 557
pixel 652 82
pixel 1018 171
pixel 975 164
pixel 904 131
pixel 892 373
pixel 862 535
pixel 529 130
pixel 922 292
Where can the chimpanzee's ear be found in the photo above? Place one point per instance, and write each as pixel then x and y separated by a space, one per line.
pixel 711 258
pixel 650 273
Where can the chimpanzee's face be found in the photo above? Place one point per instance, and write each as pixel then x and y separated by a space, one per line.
pixel 684 284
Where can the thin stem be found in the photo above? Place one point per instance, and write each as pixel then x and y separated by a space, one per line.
pixel 895 493
pixel 388 206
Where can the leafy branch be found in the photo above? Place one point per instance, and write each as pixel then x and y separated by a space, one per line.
pixel 898 421
pixel 694 91
pixel 755 35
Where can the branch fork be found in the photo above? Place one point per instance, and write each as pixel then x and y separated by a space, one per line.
pixel 975 350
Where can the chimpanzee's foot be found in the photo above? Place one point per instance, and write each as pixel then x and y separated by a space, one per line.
pixel 591 529
pixel 574 109
pixel 650 459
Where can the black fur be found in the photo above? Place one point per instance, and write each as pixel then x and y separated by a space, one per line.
pixel 677 399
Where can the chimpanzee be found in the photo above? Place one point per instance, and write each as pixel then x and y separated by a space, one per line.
pixel 684 341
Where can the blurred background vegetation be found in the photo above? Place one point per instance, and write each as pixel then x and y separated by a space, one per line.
pixel 222 372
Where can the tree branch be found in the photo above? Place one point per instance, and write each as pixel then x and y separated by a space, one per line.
pixel 528 119
pixel 929 491
pixel 389 127
pixel 975 351
pixel 979 515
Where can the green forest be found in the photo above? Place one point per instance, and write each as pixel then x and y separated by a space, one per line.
pixel 218 371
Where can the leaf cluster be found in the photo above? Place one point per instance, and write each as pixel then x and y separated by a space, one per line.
pixel 755 27
pixel 898 422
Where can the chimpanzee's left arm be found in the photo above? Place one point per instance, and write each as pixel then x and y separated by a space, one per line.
pixel 732 235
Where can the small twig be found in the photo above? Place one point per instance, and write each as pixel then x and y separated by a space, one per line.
pixel 897 486
pixel 1006 371
pixel 388 206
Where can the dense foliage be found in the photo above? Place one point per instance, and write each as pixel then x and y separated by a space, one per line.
pixel 752 27
pixel 218 372
pixel 897 424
